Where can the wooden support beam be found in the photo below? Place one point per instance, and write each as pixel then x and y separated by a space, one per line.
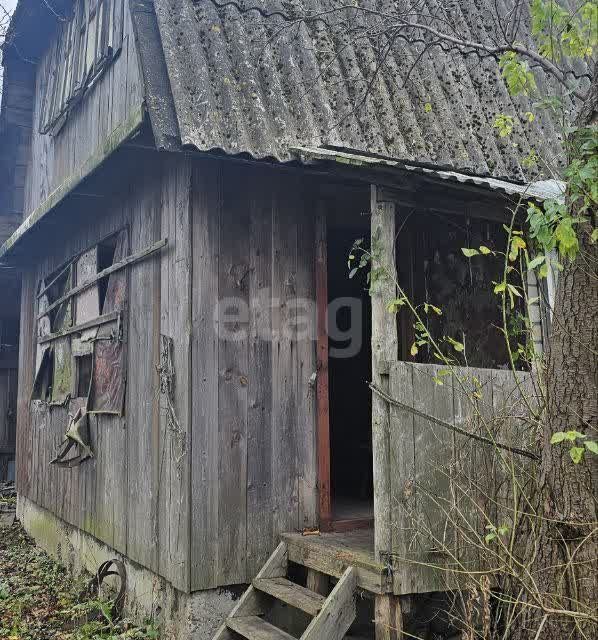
pixel 136 257
pixel 384 349
pixel 338 613
pixel 323 408
pixel 78 328
pixel 388 617
pixel 318 582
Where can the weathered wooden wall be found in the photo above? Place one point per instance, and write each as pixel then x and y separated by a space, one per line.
pixel 9 349
pixel 253 408
pixel 446 487
pixel 15 141
pixel 203 498
pixel 115 95
pixel 134 494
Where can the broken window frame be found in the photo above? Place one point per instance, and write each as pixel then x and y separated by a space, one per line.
pixel 78 339
pixel 74 66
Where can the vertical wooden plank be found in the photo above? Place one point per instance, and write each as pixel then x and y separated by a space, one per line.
pixel 402 452
pixel 475 465
pixel 434 448
pixel 233 282
pixel 318 582
pixel 507 404
pixel 323 401
pixel 259 411
pixel 384 350
pixel 284 361
pixel 27 351
pixel 142 411
pixel 175 300
pixel 206 199
pixel 388 618
pixel 305 221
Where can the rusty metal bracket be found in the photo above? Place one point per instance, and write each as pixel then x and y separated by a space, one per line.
pixel 110 568
pixel 77 435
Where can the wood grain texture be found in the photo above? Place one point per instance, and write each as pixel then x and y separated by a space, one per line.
pixel 384 349
pixel 292 594
pixel 233 372
pixel 446 486
pixel 207 205
pixel 105 106
pixel 253 476
pixel 175 404
pixel 260 428
pixel 338 612
pixel 322 380
pixel 142 410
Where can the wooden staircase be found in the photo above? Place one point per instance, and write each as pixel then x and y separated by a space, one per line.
pixel 331 616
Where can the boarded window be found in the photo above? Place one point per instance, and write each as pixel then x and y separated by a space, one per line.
pixel 80 352
pixel 108 387
pixel 88 39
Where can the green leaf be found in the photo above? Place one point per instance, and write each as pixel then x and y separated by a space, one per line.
pixel 517 243
pixel 484 250
pixel 353 272
pixel 557 437
pixel 490 537
pixel 504 125
pixel 428 107
pixel 469 253
pixel 591 445
pixel 516 74
pixel 513 290
pixel 537 261
pixel 500 287
pixel 414 349
pixel 436 310
pixel 594 236
pixel 393 305
pixel 457 346
pixel 572 435
pixel 566 238
pixel 576 454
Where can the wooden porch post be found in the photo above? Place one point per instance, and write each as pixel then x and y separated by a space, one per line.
pixel 323 412
pixel 384 351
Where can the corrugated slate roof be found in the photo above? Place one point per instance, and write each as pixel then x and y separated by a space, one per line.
pixel 246 83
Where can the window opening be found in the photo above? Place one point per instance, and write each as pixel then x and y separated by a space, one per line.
pixel 84 367
pixel 88 38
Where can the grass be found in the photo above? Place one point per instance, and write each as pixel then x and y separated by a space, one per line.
pixel 39 600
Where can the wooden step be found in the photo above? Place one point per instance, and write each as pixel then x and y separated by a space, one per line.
pixel 292 594
pixel 254 628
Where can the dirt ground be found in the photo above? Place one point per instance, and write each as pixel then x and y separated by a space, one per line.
pixel 40 601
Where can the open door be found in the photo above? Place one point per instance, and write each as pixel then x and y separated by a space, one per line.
pixel 344 369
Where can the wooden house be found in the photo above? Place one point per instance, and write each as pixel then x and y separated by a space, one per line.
pixel 190 179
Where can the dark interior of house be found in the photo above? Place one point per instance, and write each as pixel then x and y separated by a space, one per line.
pixel 350 366
pixel 433 270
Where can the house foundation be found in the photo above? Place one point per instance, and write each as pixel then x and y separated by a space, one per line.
pixel 181 616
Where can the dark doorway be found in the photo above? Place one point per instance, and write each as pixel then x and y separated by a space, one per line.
pixel 349 367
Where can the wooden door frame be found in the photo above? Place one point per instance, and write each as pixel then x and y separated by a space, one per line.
pixel 327 522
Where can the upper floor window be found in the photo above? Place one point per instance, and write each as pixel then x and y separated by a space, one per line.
pixel 88 39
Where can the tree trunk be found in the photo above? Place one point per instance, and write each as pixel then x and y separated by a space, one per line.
pixel 566 569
